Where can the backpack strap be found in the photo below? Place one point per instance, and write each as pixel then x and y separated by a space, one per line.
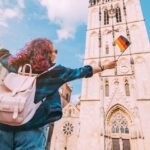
pixel 46 71
pixel 22 69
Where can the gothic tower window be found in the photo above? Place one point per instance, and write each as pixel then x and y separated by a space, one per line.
pixel 98 1
pixel 65 148
pixel 106 17
pixel 127 88
pixel 92 2
pixel 68 97
pixel 106 88
pixel 105 1
pixel 107 49
pixel 118 15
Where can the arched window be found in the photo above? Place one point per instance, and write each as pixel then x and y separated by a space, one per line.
pixel 98 1
pixel 127 88
pixel 118 15
pixel 107 49
pixel 120 128
pixel 106 17
pixel 65 148
pixel 92 2
pixel 105 1
pixel 126 130
pixel 67 97
pixel 119 124
pixel 106 88
pixel 69 112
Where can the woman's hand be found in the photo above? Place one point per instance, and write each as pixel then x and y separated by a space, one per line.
pixel 110 65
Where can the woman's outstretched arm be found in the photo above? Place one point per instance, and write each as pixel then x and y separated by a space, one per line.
pixel 110 65
pixel 87 71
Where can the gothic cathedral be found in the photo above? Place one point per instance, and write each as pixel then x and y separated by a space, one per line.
pixel 115 104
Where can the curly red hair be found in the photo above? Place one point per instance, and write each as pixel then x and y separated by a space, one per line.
pixel 36 53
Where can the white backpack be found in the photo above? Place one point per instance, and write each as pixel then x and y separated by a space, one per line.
pixel 17 94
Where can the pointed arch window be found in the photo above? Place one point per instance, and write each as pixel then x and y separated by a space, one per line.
pixel 98 1
pixel 118 14
pixel 106 17
pixel 126 130
pixel 127 88
pixel 92 2
pixel 107 49
pixel 107 1
pixel 70 112
pixel 106 88
pixel 119 124
pixel 67 97
pixel 120 128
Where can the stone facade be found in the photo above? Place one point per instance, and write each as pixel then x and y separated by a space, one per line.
pixel 116 108
pixel 65 93
pixel 114 105
pixel 66 131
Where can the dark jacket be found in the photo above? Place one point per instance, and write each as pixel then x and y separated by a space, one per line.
pixel 47 86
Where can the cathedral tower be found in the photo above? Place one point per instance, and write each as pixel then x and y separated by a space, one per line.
pixel 115 105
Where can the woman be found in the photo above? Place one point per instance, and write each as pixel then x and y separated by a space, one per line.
pixel 41 54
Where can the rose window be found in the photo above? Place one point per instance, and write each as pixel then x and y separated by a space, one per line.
pixel 67 128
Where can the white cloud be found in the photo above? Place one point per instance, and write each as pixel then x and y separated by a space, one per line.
pixel 75 99
pixel 9 13
pixel 68 14
pixel 3 24
pixel 10 10
pixel 65 33
pixel 21 4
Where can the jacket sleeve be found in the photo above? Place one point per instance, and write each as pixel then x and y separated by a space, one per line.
pixel 72 74
pixel 4 62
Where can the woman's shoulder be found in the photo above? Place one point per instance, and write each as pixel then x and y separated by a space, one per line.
pixel 59 67
pixel 54 71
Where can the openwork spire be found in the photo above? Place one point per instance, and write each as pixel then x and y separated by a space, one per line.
pixel 93 2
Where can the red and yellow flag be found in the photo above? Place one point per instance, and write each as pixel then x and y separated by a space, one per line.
pixel 122 42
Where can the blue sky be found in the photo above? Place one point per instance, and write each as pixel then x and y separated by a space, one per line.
pixel 64 22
